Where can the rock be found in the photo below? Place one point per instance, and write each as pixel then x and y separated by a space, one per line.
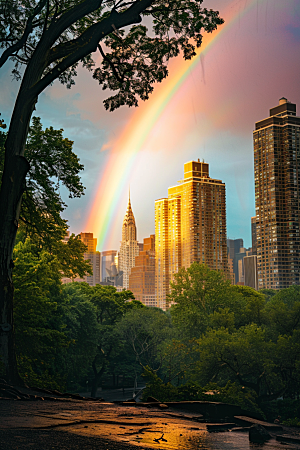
pixel 258 434
pixel 163 406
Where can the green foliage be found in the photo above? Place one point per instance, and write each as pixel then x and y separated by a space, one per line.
pixel 283 310
pixel 241 336
pixel 40 339
pixel 268 293
pixel 295 422
pixel 81 328
pixel 136 58
pixel 52 164
pixel 197 293
pixel 235 394
pixel 146 330
pixel 282 409
pixel 164 392
pixel 231 393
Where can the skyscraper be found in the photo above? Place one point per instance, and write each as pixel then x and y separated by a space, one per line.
pixel 277 176
pixel 234 247
pixel 190 226
pixel 129 246
pixel 142 276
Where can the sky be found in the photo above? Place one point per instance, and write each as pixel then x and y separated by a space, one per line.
pixel 206 108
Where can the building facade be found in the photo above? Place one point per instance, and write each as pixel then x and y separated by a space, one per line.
pixel 109 266
pixel 142 276
pixel 190 226
pixel 90 255
pixel 250 268
pixel 129 248
pixel 234 247
pixel 277 176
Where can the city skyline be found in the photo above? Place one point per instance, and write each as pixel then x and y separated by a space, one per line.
pixel 245 67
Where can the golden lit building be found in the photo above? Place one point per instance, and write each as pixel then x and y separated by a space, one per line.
pixel 129 246
pixel 92 256
pixel 190 226
pixel 142 276
pixel 277 183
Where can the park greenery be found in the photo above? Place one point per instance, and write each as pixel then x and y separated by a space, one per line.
pixel 46 40
pixel 216 341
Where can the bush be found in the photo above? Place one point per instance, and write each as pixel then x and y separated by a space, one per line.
pixel 232 393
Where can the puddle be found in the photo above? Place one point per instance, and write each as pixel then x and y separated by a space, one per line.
pixel 203 440
pixel 176 436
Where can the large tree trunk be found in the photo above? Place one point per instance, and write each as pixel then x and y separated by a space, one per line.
pixel 97 378
pixel 10 201
pixel 12 188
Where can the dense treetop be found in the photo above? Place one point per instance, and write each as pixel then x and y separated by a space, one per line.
pixel 133 59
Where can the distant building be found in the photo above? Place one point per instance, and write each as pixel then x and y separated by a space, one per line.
pixel 129 246
pixel 253 235
pixel 90 255
pixel 234 247
pixel 142 276
pixel 277 184
pixel 236 254
pixel 250 268
pixel 190 226
pixel 109 264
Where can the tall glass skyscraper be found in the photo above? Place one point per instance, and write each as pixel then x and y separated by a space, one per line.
pixel 277 181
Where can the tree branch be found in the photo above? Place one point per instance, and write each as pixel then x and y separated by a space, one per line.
pixel 28 29
pixel 88 41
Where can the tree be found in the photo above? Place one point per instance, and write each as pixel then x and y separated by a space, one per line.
pixel 283 311
pixel 145 331
pixel 52 162
pixel 110 306
pixel 50 38
pixel 40 339
pixel 196 293
pixel 81 329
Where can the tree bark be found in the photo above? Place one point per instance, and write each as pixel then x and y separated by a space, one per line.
pixel 96 380
pixel 10 201
pixel 12 188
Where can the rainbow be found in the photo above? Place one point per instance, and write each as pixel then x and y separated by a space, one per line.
pixel 123 154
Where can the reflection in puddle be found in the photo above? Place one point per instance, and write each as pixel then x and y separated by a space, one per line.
pixel 174 435
pixel 203 440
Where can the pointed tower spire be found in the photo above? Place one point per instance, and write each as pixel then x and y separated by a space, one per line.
pixel 129 247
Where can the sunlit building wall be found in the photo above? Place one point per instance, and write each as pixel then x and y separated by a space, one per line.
pixel 90 255
pixel 142 275
pixel 190 226
pixel 129 248
pixel 277 183
pixel 162 275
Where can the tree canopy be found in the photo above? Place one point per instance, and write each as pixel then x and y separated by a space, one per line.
pixel 133 59
pixel 52 164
